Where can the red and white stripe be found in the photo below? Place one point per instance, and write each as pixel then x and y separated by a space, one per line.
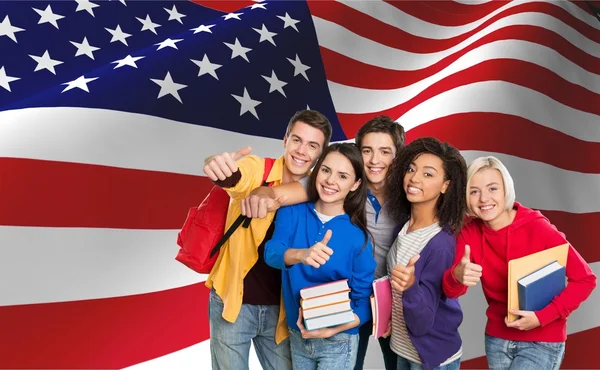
pixel 519 80
pixel 91 200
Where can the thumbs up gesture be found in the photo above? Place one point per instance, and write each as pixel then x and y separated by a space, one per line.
pixel 467 272
pixel 319 253
pixel 221 166
pixel 403 277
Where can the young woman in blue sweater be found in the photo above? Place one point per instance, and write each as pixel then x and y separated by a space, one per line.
pixel 321 241
pixel 429 201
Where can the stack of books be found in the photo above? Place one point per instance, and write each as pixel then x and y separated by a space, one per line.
pixel 326 305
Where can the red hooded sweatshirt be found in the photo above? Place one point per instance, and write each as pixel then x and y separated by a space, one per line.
pixel 530 232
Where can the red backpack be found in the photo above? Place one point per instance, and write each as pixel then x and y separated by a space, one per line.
pixel 203 232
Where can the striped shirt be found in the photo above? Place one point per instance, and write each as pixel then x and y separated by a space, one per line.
pixel 404 248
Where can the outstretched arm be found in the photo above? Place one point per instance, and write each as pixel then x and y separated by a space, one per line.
pixel 463 273
pixel 220 167
pixel 268 199
pixel 280 242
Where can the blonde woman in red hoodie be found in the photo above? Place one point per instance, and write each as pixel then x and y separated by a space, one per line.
pixel 501 230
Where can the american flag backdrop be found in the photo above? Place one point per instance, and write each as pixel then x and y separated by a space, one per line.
pixel 107 109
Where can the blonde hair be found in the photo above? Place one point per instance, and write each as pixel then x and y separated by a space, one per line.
pixel 490 162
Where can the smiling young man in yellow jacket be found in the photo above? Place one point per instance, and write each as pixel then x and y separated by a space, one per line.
pixel 245 299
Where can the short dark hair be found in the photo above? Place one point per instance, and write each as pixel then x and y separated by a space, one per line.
pixel 355 202
pixel 314 119
pixel 383 124
pixel 451 206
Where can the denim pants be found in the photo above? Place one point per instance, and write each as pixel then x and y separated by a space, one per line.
pixel 230 342
pixel 509 354
pixel 404 364
pixel 364 334
pixel 335 353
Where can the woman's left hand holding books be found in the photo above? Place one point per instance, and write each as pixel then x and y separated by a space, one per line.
pixel 324 333
pixel 314 334
pixel 528 320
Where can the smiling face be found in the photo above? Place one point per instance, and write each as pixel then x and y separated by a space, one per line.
pixel 424 181
pixel 486 198
pixel 303 146
pixel 378 152
pixel 335 179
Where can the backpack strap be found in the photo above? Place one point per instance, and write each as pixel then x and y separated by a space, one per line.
pixel 241 218
pixel 268 166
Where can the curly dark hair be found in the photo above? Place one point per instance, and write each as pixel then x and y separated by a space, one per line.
pixel 355 202
pixel 451 206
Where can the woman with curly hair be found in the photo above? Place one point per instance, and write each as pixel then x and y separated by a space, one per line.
pixel 427 197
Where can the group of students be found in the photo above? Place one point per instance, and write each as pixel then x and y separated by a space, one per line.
pixel 370 209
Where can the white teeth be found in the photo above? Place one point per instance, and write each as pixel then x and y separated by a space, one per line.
pixel 328 190
pixel 486 208
pixel 375 170
pixel 299 162
pixel 413 190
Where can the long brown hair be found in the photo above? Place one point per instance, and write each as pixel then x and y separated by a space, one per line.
pixel 355 201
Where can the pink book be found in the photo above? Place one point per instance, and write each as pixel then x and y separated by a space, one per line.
pixel 381 306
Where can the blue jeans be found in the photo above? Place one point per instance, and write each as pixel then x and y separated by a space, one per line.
pixel 335 353
pixel 230 342
pixel 404 364
pixel 511 354
pixel 364 333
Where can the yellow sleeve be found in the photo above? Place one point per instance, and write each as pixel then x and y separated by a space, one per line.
pixel 251 169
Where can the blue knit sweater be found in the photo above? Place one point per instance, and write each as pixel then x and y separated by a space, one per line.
pixel 298 226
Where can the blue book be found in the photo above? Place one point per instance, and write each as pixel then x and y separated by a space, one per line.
pixel 327 321
pixel 537 289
